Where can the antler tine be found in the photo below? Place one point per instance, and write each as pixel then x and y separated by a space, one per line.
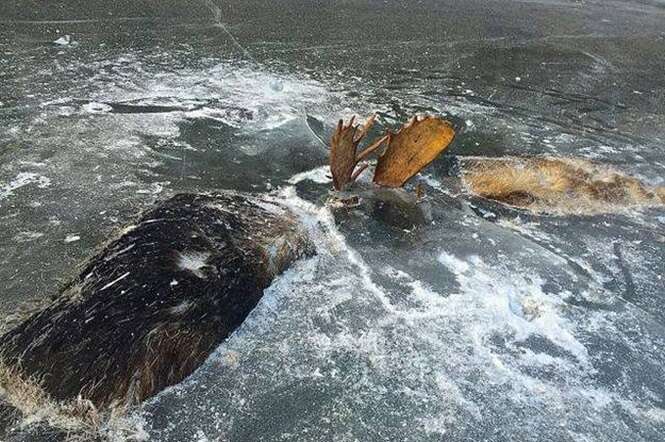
pixel 351 121
pixel 362 133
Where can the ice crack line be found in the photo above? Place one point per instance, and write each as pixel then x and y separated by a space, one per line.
pixel 217 13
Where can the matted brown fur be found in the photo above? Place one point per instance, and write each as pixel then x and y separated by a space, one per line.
pixel 557 185
pixel 150 307
pixel 28 397
pixel 168 354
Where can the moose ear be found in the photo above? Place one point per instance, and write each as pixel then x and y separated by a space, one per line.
pixel 412 148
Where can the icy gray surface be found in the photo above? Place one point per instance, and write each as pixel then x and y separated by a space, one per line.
pixel 468 322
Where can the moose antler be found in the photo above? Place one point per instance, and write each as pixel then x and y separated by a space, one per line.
pixel 412 148
pixel 409 150
pixel 343 151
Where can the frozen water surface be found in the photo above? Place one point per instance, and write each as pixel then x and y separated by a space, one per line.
pixel 458 319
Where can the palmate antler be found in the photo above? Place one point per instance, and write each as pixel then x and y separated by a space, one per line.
pixel 409 150
pixel 344 156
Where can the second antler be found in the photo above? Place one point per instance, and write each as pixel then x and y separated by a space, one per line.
pixel 408 151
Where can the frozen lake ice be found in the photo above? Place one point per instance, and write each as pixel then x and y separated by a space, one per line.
pixel 459 320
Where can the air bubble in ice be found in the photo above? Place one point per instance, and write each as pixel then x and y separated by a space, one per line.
pixel 276 85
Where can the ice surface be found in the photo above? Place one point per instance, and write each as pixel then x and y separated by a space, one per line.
pixel 329 349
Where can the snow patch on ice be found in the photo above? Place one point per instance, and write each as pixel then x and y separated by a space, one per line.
pixel 71 238
pixel 154 188
pixel 512 301
pixel 453 264
pixel 21 180
pixel 320 175
pixel 65 40
pixel 431 181
pixel 96 108
pixel 26 236
pixel 240 96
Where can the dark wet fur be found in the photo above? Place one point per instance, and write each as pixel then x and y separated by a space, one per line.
pixel 124 343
